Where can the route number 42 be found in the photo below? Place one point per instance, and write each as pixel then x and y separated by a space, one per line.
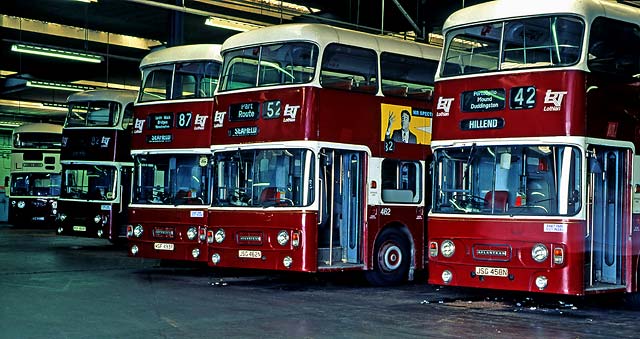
pixel 522 97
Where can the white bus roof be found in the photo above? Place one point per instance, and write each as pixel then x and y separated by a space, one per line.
pixel 121 96
pixel 38 128
pixel 182 53
pixel 325 34
pixel 504 9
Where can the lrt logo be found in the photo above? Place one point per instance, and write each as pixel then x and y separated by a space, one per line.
pixel 199 123
pixel 553 98
pixel 444 104
pixel 290 113
pixel 138 126
pixel 218 119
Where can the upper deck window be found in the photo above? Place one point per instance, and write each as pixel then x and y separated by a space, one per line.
pixel 184 80
pixel 269 65
pixel 37 140
pixel 349 68
pixel 613 48
pixel 554 41
pixel 407 76
pixel 93 113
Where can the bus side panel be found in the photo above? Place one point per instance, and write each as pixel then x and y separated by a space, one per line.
pixel 258 231
pixel 409 218
pixel 496 243
pixel 168 225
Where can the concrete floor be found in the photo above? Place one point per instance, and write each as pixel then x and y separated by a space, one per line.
pixel 65 287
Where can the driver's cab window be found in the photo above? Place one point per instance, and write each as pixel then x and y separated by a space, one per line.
pixel 401 181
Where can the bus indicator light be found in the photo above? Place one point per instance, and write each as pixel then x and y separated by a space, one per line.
pixel 558 256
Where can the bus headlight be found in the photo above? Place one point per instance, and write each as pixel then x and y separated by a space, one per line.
pixel 539 252
pixel 54 204
pixel 219 236
pixel 62 216
pixel 287 261
pixel 447 248
pixel 195 253
pixel 192 233
pixel 97 219
pixel 283 237
pixel 134 249
pixel 21 204
pixel 138 230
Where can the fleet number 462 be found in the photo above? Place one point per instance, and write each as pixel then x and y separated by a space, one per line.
pixel 385 211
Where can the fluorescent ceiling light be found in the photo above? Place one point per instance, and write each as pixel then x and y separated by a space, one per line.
pixel 56 53
pixel 32 105
pixel 230 24
pixel 57 85
pixel 88 1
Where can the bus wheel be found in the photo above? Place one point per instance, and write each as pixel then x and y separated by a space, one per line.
pixel 391 259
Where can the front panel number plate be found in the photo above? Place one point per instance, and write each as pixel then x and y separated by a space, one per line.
pixel 163 246
pixel 492 271
pixel 249 254
pixel 80 228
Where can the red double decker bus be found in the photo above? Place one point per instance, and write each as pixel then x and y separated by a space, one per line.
pixel 96 165
pixel 319 143
pixel 171 151
pixel 536 185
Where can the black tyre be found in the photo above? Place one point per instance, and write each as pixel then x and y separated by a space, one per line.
pixel 390 259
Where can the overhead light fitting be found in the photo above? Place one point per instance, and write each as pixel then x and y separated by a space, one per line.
pixel 57 86
pixel 56 53
pixel 230 24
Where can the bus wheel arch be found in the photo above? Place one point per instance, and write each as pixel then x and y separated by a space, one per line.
pixel 393 259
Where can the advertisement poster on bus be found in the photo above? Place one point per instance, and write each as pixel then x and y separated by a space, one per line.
pixel 404 124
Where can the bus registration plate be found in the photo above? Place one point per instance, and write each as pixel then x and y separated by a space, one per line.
pixel 80 228
pixel 249 254
pixel 163 246
pixel 492 271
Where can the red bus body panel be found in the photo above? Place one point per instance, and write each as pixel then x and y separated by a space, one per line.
pixel 313 114
pixel 178 219
pixel 589 107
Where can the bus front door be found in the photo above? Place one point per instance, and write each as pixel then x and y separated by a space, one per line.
pixel 607 169
pixel 340 227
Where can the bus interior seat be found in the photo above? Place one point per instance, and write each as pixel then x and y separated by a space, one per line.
pixel 336 82
pixel 268 194
pixel 500 200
